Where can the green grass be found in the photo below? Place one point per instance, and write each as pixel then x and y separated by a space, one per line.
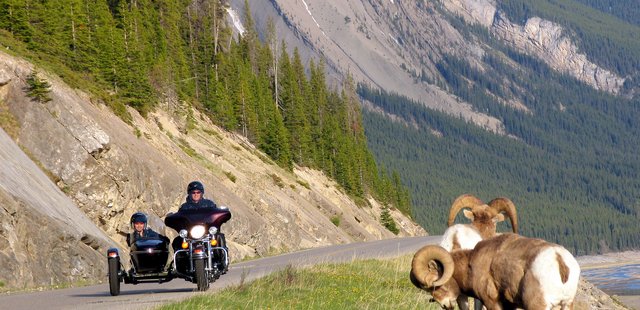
pixel 231 176
pixel 305 184
pixel 74 79
pixel 277 180
pixel 335 220
pixel 368 284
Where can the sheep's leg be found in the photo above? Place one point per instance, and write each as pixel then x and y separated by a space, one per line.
pixel 493 305
pixel 533 297
pixel 463 302
pixel 477 304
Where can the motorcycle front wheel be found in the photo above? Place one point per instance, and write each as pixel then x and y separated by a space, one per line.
pixel 201 276
pixel 114 277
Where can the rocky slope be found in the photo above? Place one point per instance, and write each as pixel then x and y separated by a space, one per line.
pixel 396 45
pixel 101 170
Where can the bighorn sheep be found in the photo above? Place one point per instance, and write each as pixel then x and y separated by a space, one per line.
pixel 505 272
pixel 484 218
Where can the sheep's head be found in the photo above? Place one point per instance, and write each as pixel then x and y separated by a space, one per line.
pixel 484 217
pixel 432 269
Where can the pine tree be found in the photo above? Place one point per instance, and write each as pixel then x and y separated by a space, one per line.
pixel 14 18
pixel 38 89
pixel 387 221
pixel 305 148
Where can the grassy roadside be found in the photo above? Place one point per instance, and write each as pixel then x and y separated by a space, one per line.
pixel 368 284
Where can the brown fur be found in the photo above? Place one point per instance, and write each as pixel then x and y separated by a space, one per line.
pixel 564 270
pixel 483 221
pixel 496 272
pixel 456 243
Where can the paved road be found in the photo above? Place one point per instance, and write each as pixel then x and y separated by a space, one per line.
pixel 149 294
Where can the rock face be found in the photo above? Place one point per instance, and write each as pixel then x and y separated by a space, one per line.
pixel 540 38
pixel 397 45
pixel 100 170
pixel 589 297
pixel 386 44
pixel 38 223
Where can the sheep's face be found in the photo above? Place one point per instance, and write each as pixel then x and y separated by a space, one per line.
pixel 484 219
pixel 446 295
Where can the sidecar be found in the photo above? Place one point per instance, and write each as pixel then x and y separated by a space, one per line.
pixel 148 258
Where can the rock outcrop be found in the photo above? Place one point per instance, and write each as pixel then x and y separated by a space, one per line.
pixel 398 46
pixel 540 38
pixel 44 238
pixel 100 170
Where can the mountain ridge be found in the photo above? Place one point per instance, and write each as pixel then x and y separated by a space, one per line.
pixel 560 96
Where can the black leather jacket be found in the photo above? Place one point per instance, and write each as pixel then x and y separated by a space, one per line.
pixel 192 205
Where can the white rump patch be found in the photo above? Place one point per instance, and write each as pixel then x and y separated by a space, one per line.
pixel 466 236
pixel 545 267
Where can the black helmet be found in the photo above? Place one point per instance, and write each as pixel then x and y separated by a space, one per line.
pixel 195 185
pixel 139 217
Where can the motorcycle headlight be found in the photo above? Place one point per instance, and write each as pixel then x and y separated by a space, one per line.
pixel 183 233
pixel 197 232
pixel 213 230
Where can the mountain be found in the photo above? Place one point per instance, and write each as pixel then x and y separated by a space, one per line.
pixel 98 121
pixel 532 100
pixel 119 104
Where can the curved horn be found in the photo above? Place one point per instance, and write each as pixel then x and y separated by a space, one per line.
pixel 463 201
pixel 422 274
pixel 502 204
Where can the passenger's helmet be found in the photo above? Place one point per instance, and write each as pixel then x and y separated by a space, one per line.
pixel 195 185
pixel 139 217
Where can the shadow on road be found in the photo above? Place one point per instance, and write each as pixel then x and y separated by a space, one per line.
pixel 137 292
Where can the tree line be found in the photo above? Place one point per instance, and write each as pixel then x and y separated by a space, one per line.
pixel 135 52
pixel 569 162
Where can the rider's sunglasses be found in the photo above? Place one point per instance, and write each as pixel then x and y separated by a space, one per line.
pixel 196 192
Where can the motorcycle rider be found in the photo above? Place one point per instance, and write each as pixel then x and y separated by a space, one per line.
pixel 140 230
pixel 195 200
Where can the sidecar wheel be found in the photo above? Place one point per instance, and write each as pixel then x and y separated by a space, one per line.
pixel 114 278
pixel 201 276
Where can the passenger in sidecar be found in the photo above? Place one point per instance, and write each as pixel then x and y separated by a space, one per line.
pixel 149 249
pixel 140 230
pixel 149 252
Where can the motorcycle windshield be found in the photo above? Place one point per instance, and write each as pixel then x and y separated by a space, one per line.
pixel 146 244
pixel 203 216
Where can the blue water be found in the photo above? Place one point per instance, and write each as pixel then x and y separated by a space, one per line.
pixel 619 280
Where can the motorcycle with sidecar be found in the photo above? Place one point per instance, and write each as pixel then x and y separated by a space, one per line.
pixel 200 253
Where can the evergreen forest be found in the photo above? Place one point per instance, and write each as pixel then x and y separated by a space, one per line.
pixel 138 52
pixel 569 162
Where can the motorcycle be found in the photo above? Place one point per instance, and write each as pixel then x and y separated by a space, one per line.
pixel 200 253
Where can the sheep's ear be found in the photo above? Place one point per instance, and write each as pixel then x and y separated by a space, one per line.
pixel 498 218
pixel 435 272
pixel 468 214
pixel 433 266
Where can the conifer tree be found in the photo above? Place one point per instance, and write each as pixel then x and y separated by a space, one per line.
pixel 317 118
pixel 305 149
pixel 14 19
pixel 249 40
